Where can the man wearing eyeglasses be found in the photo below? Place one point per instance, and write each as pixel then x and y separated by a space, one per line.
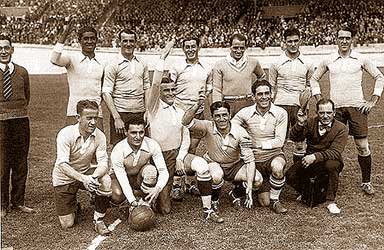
pixel 345 77
pixel 233 76
pixel 289 76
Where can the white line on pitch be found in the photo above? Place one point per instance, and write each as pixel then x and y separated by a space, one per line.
pixel 96 241
pixel 376 126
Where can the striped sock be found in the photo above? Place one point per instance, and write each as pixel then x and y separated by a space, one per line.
pixel 276 186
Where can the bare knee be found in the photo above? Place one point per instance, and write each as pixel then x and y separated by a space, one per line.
pixel 277 166
pixel 362 146
pixel 258 180
pixel 263 199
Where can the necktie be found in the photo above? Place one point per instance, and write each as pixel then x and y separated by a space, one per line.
pixel 7 87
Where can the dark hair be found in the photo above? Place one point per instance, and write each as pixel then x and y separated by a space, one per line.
pixel 127 31
pixel 346 27
pixel 239 37
pixel 6 37
pixel 134 119
pixel 191 38
pixel 259 83
pixel 85 29
pixel 219 104
pixel 166 79
pixel 325 101
pixel 86 104
pixel 291 32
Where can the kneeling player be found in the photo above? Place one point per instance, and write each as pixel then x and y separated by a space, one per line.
pixel 229 152
pixel 76 147
pixel 131 167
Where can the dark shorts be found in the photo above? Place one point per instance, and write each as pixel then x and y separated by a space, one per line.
pixel 65 196
pixel 292 115
pixel 356 121
pixel 237 104
pixel 265 169
pixel 114 137
pixel 134 180
pixel 231 172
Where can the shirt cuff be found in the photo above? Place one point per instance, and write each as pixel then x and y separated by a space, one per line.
pixel 58 47
pixel 377 91
pixel 266 145
pixel 316 91
pixel 191 124
pixel 160 65
pixel 181 155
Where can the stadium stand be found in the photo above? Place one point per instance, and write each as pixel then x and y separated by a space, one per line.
pixel 214 21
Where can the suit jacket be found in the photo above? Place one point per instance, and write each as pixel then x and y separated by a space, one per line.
pixel 329 146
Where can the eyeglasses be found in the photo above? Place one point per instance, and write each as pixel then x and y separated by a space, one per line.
pixel 5 48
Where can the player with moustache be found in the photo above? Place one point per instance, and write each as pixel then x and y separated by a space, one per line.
pixel 346 68
pixel 84 70
pixel 266 124
pixel 326 139
pixel 126 86
pixel 165 121
pixel 289 77
pixel 229 153
pixel 132 169
pixel 190 76
pixel 233 76
pixel 76 147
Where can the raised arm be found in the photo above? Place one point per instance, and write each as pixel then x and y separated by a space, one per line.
pixel 57 58
pixel 154 94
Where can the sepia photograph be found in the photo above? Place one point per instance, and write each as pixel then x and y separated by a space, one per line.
pixel 192 124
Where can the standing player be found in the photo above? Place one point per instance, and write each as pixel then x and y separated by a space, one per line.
pixel 234 75
pixel 229 152
pixel 289 76
pixel 166 128
pixel 76 146
pixel 84 70
pixel 190 77
pixel 266 124
pixel 326 138
pixel 345 77
pixel 126 84
pixel 14 128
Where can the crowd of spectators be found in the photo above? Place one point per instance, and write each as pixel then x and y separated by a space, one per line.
pixel 212 20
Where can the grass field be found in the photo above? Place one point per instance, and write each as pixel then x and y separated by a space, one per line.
pixel 360 225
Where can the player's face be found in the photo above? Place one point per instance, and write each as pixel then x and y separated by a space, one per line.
pixel 191 50
pixel 263 97
pixel 87 121
pixel 237 49
pixel 221 118
pixel 128 44
pixel 292 44
pixel 135 135
pixel 344 41
pixel 326 114
pixel 168 93
pixel 6 51
pixel 88 42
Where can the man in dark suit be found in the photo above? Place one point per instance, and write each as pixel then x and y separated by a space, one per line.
pixel 326 140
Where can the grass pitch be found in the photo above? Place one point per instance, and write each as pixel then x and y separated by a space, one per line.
pixel 360 225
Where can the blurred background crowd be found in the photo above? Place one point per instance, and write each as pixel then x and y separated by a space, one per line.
pixel 212 20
